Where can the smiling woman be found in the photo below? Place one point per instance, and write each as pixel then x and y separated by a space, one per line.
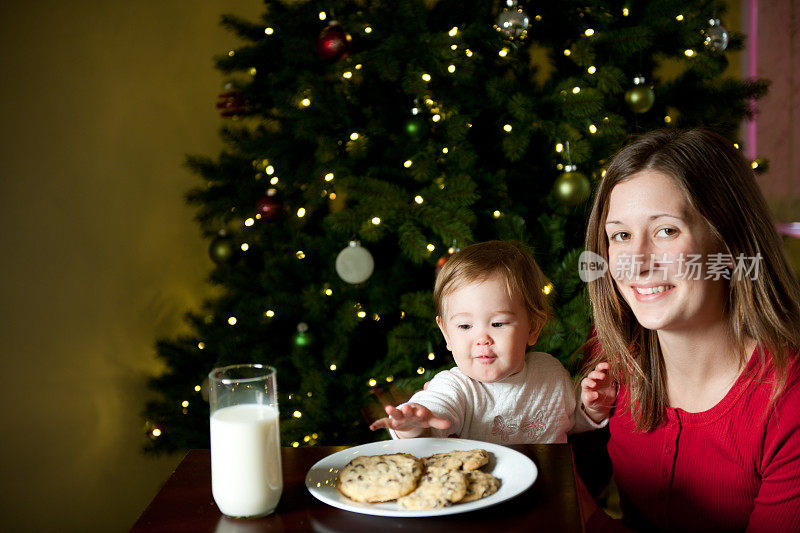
pixel 698 319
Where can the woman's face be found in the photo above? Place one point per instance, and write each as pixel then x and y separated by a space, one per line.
pixel 662 255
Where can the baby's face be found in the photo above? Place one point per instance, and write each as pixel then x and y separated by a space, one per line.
pixel 487 330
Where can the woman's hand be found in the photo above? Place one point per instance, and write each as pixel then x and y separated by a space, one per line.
pixel 598 393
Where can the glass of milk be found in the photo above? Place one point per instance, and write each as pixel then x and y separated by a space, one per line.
pixel 246 476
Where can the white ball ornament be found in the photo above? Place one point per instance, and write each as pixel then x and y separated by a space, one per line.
pixel 354 264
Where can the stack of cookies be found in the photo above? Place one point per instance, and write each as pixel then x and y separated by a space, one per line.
pixel 417 484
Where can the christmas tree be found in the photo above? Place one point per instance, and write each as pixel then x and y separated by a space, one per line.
pixel 366 141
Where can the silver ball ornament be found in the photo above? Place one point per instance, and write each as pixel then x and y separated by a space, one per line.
pixel 716 36
pixel 354 264
pixel 513 22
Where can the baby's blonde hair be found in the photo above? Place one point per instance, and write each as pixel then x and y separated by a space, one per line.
pixel 480 261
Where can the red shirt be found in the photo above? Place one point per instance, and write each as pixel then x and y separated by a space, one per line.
pixel 735 467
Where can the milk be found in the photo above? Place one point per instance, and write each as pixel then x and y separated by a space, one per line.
pixel 246 477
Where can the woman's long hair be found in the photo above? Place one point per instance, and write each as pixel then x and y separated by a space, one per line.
pixel 764 305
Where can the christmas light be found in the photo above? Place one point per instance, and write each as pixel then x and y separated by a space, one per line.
pixel 231 53
pixel 249 222
pixel 376 221
pixel 367 30
pixel 567 52
pixel 269 313
pixel 576 90
pixel 431 356
pixel 451 68
pixel 430 247
pixel 333 367
pixel 295 444
pixel 436 118
pixel 453 31
pixel 301 212
pixel 372 382
pixel 309 394
pixel 389 379
pixel 688 53
pixel 306 438
pixel 185 403
pixel 358 67
pixel 559 148
pixel 420 370
pixel 376 317
pixel 591 70
pixel 507 128
pixel 625 11
pixel 245 247
pixel 322 15
pixel 667 119
pixel 426 77
pixel 270 170
pixel 592 128
pixel 419 199
pixel 408 163
pixel 232 320
pixel 274 180
pixel 253 71
pixel 453 47
pixel 197 388
pixel 754 165
pixel 679 18
pixel 201 345
pixel 547 289
pixel 468 52
pixel 445 150
pixel 503 52
pixel 329 176
pixel 300 254
pixel 297 414
pixel 156 432
pixel 353 136
pixel 361 314
pixel 497 214
pixel 269 31
pixel 589 32
pixel 347 74
pixel 328 292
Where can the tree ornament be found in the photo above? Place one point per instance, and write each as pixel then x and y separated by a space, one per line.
pixel 302 338
pixel 716 36
pixel 223 250
pixel 333 44
pixel 354 264
pixel 640 98
pixel 572 188
pixel 269 206
pixel 513 21
pixel 232 104
pixel 442 260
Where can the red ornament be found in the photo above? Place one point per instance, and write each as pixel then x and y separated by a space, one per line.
pixel 269 207
pixel 333 44
pixel 233 104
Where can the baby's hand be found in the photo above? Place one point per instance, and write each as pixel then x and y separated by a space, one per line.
pixel 598 393
pixel 411 420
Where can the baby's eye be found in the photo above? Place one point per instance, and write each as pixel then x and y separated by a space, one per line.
pixel 498 324
pixel 463 326
pixel 667 232
pixel 620 236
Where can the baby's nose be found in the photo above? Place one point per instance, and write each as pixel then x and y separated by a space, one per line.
pixel 483 339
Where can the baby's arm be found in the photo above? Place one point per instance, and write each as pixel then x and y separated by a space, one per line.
pixel 410 420
pixel 598 393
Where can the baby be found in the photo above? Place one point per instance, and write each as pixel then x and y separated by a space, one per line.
pixel 490 308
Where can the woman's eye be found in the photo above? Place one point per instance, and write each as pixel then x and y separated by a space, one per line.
pixel 667 232
pixel 620 236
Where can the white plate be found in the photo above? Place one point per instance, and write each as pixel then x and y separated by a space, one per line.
pixel 515 471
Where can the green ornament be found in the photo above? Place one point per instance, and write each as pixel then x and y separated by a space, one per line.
pixel 222 250
pixel 572 188
pixel 416 127
pixel 302 338
pixel 640 98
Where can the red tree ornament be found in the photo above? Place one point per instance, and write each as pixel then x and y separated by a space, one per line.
pixel 269 207
pixel 333 44
pixel 232 104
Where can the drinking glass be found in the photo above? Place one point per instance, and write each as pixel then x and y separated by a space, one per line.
pixel 246 476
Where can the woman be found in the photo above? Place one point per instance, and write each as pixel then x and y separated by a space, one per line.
pixel 698 324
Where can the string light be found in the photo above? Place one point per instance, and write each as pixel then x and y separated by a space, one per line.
pixel 625 11
pixel 274 180
pixel 253 71
pixel 567 52
pixel 576 90
pixel 451 68
pixel 329 176
pixel 430 247
pixel 431 356
pixel 547 289
pixel 419 199
pixel 497 214
pixel 231 53
pixel 503 52
pixel 300 254
pixel 420 370
pixel 408 163
pixel 592 128
pixel 333 367
pixel 185 403
pixel 688 52
pixel 589 32
pixel 667 119
pixel 559 148
pixel 245 247
pixel 269 31
pixel 201 346
pixel 353 136
pixel 445 150
pixel 197 388
pixel 301 212
pixel 269 313
pixel 361 314
pixel 232 320
pixel 507 128
pixel 468 52
pixel 295 444
pixel 322 15
pixel 436 118
pixel 368 30
pixel 591 70
pixel 453 31
pixel 372 382
pixel 305 102
pixel 328 291
pixel 679 18
pixel 249 222
pixel 347 75
pixel 156 432
pixel 389 379
pixel 376 220
pixel 270 170
pixel 426 77
pixel 297 414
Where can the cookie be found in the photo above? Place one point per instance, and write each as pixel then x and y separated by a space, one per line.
pixel 458 460
pixel 479 485
pixel 439 487
pixel 379 478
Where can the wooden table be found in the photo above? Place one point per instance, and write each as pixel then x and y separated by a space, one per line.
pixel 185 504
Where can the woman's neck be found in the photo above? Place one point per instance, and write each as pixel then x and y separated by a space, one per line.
pixel 701 365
